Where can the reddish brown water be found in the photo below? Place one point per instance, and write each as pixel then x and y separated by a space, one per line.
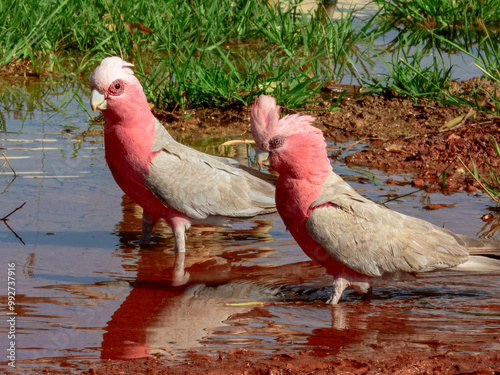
pixel 85 290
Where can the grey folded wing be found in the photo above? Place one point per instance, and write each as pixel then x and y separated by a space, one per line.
pixel 201 185
pixel 479 246
pixel 374 240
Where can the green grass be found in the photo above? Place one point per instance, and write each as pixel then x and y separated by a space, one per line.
pixel 206 53
pixel 285 54
pixel 487 58
pixel 408 77
pixel 485 49
pixel 196 53
pixel 437 28
pixel 442 15
pixel 219 77
pixel 49 33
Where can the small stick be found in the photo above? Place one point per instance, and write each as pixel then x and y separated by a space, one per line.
pixel 13 171
pixel 4 190
pixel 355 143
pixel 7 160
pixel 470 113
pixel 15 234
pixel 5 217
pixel 340 150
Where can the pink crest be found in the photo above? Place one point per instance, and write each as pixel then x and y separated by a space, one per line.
pixel 266 123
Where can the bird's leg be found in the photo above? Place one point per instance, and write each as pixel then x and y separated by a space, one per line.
pixel 179 226
pixel 148 223
pixel 339 285
pixel 180 277
pixel 180 239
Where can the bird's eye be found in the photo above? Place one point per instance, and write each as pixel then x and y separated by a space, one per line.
pixel 116 88
pixel 277 141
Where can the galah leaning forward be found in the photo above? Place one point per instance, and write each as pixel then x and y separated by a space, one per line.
pixel 358 241
pixel 167 179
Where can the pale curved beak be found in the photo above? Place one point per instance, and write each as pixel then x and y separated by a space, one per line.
pixel 261 157
pixel 97 101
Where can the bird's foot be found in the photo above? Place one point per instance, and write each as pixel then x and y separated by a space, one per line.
pixel 339 285
pixel 361 287
pixel 144 241
pixel 181 279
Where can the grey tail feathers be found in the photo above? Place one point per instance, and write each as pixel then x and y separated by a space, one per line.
pixel 479 263
pixel 480 246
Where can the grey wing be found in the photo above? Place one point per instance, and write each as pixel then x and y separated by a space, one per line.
pixel 200 185
pixel 374 240
pixel 163 139
pixel 479 246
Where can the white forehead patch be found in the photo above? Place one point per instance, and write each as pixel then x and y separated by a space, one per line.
pixel 111 69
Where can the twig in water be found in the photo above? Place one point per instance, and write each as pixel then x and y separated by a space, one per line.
pixel 7 160
pixel 355 143
pixel 15 234
pixel 5 217
pixel 13 171
pixel 341 150
pixel 10 183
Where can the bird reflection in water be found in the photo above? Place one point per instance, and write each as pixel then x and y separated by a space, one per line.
pixel 177 298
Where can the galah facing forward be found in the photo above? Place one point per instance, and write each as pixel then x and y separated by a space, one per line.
pixel 357 240
pixel 167 179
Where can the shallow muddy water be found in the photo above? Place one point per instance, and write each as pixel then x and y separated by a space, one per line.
pixel 86 291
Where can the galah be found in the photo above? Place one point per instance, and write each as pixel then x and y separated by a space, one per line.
pixel 358 241
pixel 167 179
